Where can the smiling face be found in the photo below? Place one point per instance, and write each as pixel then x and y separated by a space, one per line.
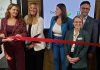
pixel 84 9
pixel 33 9
pixel 58 11
pixel 13 11
pixel 77 23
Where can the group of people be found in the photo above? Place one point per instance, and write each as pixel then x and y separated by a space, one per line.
pixel 29 55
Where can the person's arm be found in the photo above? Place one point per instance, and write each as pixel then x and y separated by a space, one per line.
pixel 1 38
pixel 40 27
pixel 94 35
pixel 72 60
pixel 49 31
pixel 67 46
pixel 49 34
pixel 5 40
pixel 1 41
pixel 70 24
pixel 85 49
pixel 22 29
pixel 0 49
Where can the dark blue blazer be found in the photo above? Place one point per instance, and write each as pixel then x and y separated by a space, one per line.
pixel 64 27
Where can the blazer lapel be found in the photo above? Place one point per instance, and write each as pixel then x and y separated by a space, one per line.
pixel 86 23
pixel 15 27
pixel 5 26
pixel 79 38
pixel 71 38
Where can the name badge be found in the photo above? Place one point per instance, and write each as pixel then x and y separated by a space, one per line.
pixel 80 38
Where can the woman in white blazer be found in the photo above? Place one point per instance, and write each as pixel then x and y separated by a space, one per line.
pixel 35 51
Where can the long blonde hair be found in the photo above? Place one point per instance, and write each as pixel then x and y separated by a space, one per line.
pixel 33 19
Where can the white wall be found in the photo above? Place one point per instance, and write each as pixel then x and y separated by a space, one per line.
pixel 3 6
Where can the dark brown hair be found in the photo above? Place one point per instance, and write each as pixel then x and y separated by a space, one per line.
pixel 64 14
pixel 85 2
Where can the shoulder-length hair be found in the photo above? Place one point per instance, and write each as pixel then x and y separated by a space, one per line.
pixel 64 14
pixel 31 18
pixel 7 14
pixel 78 16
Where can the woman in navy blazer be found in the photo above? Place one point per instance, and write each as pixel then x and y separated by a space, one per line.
pixel 58 28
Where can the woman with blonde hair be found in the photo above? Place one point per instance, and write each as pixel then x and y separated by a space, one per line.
pixel 34 51
pixel 13 25
pixel 76 55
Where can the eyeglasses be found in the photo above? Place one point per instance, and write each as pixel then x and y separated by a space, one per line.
pixel 85 8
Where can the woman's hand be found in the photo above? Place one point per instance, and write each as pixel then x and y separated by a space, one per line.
pixel 8 57
pixel 7 40
pixel 19 35
pixel 70 59
pixel 2 35
pixel 31 45
pixel 73 60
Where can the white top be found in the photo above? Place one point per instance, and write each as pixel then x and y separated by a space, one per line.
pixel 57 30
pixel 37 29
pixel 84 19
pixel 75 35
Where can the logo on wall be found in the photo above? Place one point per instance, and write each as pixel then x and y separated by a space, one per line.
pixel 68 13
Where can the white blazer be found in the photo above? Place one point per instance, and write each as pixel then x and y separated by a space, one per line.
pixel 37 29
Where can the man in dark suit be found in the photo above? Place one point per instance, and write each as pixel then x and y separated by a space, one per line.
pixel 90 25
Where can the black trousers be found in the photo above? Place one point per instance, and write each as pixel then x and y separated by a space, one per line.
pixel 34 59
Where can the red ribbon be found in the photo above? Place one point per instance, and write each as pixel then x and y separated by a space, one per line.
pixel 54 40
